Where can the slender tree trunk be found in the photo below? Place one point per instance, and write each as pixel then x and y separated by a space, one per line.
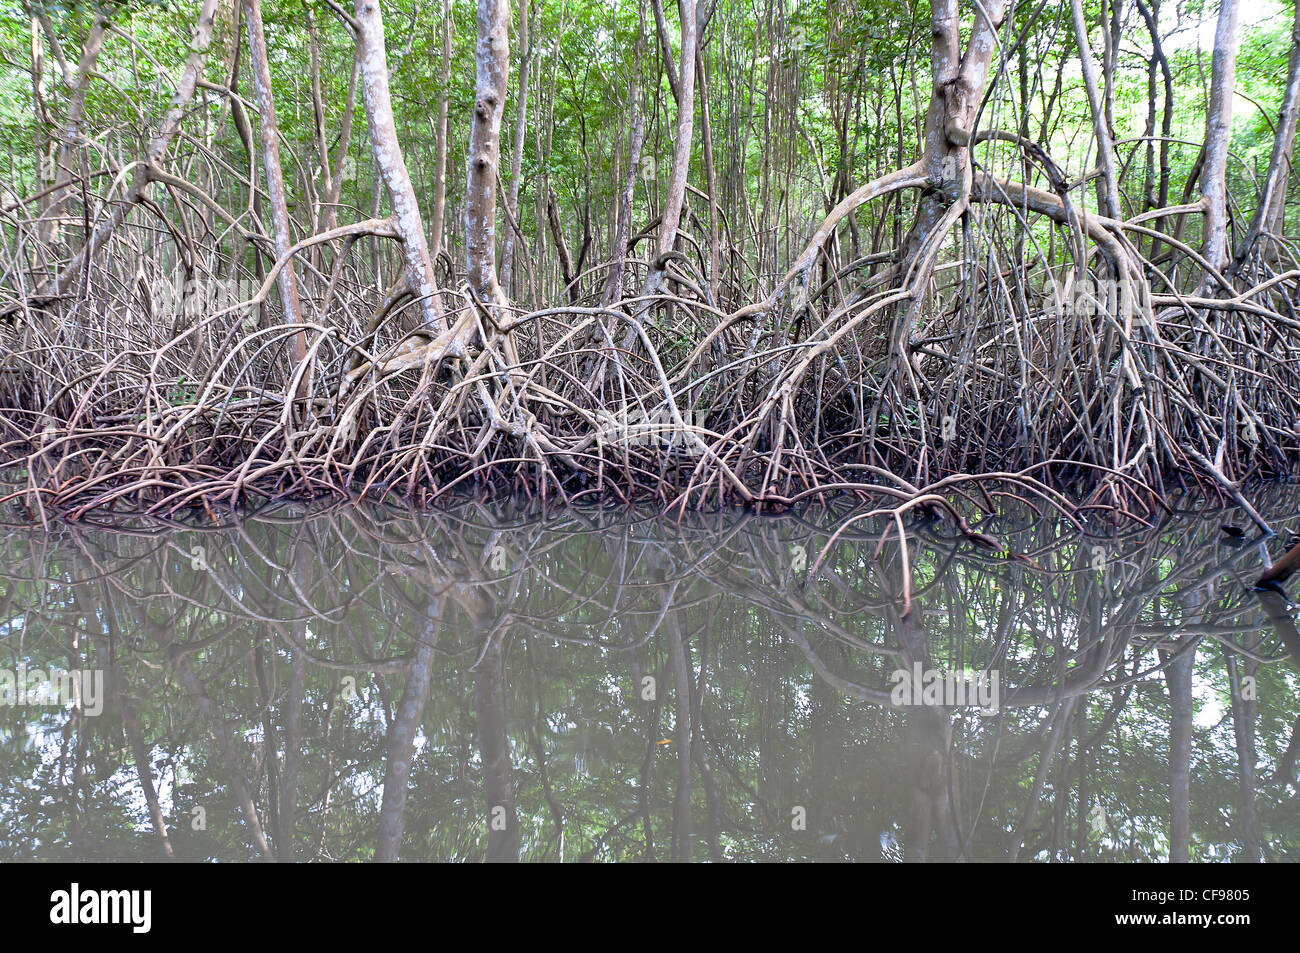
pixel 683 83
pixel 1270 213
pixel 618 248
pixel 710 176
pixel 492 67
pixel 318 119
pixel 440 137
pixel 517 158
pixel 46 174
pixel 1218 129
pixel 270 140
pixel 1108 188
pixel 392 166
pixel 70 136
pixel 331 201
pixel 1160 198
pixel 561 247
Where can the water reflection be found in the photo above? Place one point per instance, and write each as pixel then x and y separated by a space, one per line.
pixel 485 684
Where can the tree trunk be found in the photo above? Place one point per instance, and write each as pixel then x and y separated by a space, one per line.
pixel 440 137
pixel 958 88
pixel 270 141
pixel 1218 129
pixel 561 247
pixel 492 67
pixel 402 735
pixel 318 119
pixel 517 158
pixel 331 201
pixel 490 719
pixel 1108 188
pixel 392 166
pixel 618 248
pixel 70 136
pixel 683 83
pixel 1269 218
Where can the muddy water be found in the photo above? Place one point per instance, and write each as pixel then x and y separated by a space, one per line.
pixel 495 684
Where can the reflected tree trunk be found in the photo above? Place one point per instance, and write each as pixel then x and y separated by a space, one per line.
pixel 1243 727
pixel 934 788
pixel 226 746
pixel 494 752
pixel 1178 679
pixel 292 708
pixel 683 837
pixel 402 733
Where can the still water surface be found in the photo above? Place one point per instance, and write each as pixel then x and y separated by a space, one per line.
pixel 489 683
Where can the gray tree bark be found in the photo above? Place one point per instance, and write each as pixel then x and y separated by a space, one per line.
pixel 492 67
pixel 440 138
pixel 1218 128
pixel 70 136
pixel 270 141
pixel 1269 218
pixel 391 163
pixel 517 156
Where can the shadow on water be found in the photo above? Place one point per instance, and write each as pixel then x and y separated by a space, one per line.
pixel 484 684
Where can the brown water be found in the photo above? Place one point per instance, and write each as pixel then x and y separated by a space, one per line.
pixel 587 685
